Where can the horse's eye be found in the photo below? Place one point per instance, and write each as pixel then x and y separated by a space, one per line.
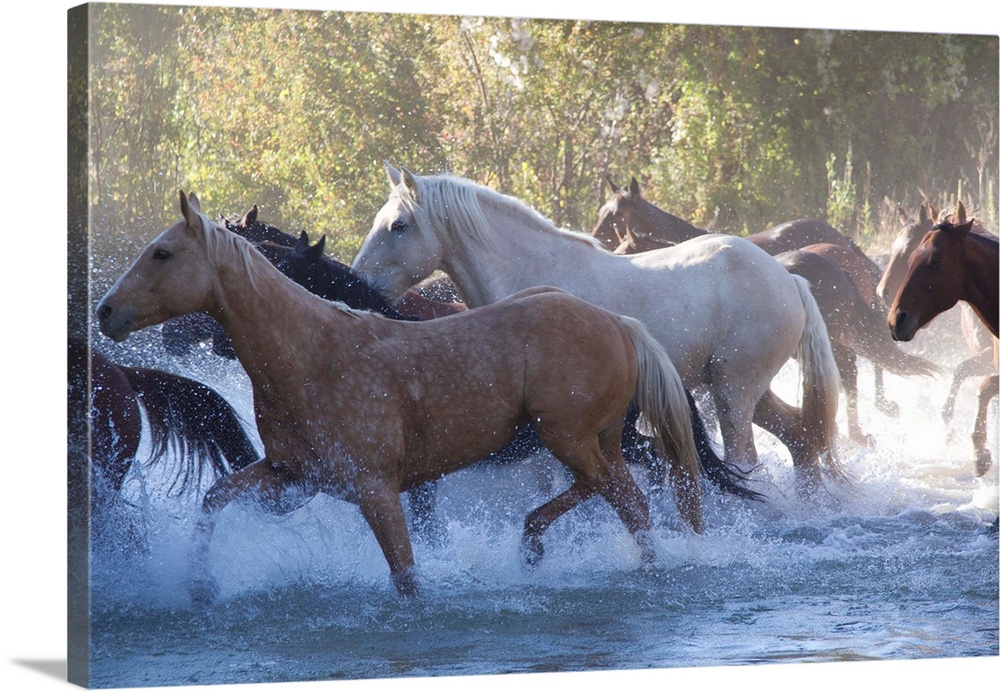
pixel 398 226
pixel 161 255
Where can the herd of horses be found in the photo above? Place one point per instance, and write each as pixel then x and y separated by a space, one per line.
pixel 376 379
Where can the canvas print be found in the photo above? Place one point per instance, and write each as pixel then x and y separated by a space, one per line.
pixel 413 345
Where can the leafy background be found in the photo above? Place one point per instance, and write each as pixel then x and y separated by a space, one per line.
pixel 733 128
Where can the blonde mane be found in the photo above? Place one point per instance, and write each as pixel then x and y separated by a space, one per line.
pixel 222 245
pixel 456 205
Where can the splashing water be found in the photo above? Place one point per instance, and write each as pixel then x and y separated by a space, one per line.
pixel 902 563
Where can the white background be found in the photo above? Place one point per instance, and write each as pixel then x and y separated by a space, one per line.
pixel 32 312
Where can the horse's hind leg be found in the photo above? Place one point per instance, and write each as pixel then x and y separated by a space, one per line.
pixel 988 390
pixel 977 365
pixel 599 469
pixel 882 403
pixel 848 366
pixel 538 521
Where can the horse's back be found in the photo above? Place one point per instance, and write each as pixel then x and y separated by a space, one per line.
pixel 793 235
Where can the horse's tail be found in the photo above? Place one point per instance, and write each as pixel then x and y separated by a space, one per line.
pixel 193 419
pixel 871 340
pixel 820 380
pixel 662 400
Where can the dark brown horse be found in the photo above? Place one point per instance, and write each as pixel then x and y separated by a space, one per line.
pixel 628 224
pixel 854 327
pixel 977 337
pixel 187 420
pixel 953 264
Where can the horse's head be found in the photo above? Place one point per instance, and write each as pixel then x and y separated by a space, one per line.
pixel 933 282
pixel 305 265
pixel 172 276
pixel 256 231
pixel 403 246
pixel 912 231
pixel 615 218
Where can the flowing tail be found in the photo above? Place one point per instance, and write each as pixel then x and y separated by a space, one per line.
pixel 663 402
pixel 820 381
pixel 872 341
pixel 193 419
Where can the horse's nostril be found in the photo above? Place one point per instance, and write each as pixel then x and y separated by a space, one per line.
pixel 103 312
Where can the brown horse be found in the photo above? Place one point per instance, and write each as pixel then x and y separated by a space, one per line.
pixel 950 264
pixel 362 407
pixel 629 224
pixel 977 337
pixel 183 416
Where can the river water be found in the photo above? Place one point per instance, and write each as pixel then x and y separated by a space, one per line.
pixel 901 563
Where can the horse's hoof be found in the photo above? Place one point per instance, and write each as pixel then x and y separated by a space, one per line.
pixel 647 550
pixel 406 582
pixel 203 592
pixel 533 551
pixel 887 407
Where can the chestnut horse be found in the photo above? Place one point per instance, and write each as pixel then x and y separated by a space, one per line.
pixel 628 223
pixel 977 337
pixel 952 264
pixel 729 316
pixel 362 408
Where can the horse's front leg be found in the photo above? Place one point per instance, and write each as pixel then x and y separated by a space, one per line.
pixel 274 486
pixel 381 506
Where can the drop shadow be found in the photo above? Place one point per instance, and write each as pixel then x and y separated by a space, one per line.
pixel 50 668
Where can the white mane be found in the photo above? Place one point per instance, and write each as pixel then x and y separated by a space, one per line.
pixel 456 204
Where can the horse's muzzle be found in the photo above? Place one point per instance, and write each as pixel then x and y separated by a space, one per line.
pixel 115 324
pixel 902 326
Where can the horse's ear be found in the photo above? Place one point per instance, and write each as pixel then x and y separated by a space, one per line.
pixel 190 211
pixel 934 213
pixel 611 185
pixel 302 244
pixel 315 252
pixel 960 217
pixel 924 216
pixel 633 188
pixel 960 230
pixel 410 180
pixel 395 177
pixel 901 213
pixel 249 218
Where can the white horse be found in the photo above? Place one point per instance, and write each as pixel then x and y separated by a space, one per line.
pixel 728 315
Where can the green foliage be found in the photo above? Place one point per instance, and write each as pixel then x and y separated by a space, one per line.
pixel 737 127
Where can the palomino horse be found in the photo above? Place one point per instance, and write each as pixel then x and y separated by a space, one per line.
pixel 854 327
pixel 977 336
pixel 951 264
pixel 307 266
pixel 728 315
pixel 184 416
pixel 362 407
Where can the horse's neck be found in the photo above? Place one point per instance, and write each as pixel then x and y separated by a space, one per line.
pixel 982 282
pixel 665 226
pixel 519 253
pixel 271 322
